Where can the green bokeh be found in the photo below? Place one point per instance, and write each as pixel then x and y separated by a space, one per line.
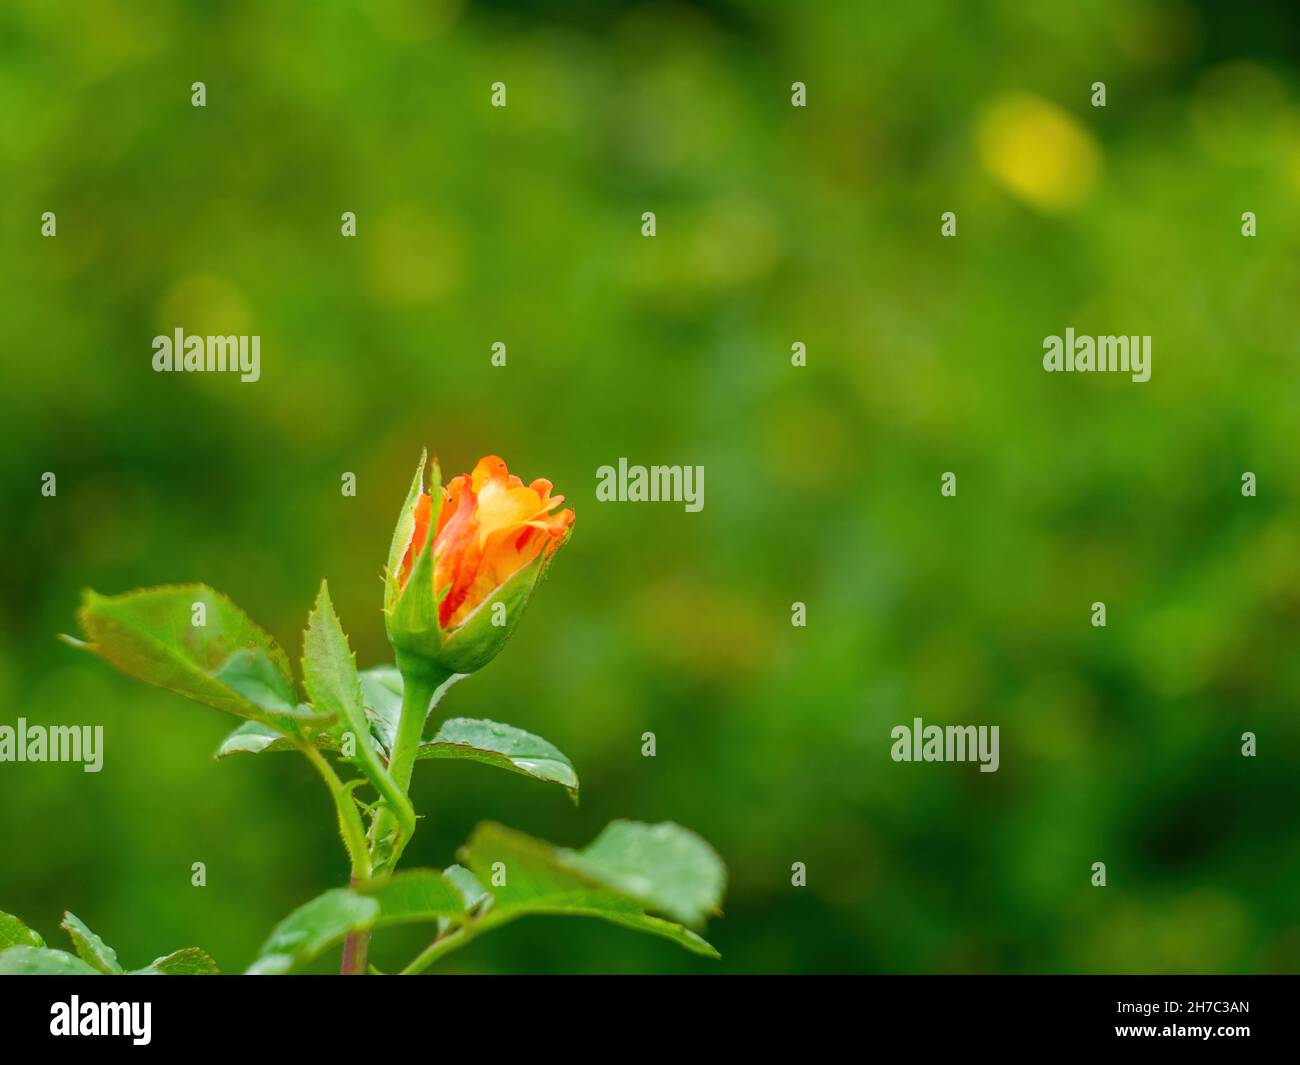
pixel 775 225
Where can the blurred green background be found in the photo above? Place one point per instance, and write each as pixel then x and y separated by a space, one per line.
pixel 775 225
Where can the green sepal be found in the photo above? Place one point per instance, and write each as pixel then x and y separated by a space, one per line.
pixel 411 618
pixel 402 533
pixel 476 640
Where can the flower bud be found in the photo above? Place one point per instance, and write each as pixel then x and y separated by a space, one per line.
pixel 464 562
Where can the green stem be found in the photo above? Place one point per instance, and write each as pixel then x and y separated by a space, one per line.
pixel 354 838
pixel 454 939
pixel 355 949
pixel 419 686
pixel 350 826
pixel 393 824
pixel 444 944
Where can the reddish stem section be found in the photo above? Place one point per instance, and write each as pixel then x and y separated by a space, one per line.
pixel 354 954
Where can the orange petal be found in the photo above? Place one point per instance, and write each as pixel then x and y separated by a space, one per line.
pixel 416 544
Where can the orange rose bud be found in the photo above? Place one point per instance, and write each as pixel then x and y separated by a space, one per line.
pixel 464 562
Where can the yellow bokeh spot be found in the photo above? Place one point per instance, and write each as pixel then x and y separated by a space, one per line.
pixel 414 257
pixel 1038 152
pixel 203 304
pixel 1293 169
